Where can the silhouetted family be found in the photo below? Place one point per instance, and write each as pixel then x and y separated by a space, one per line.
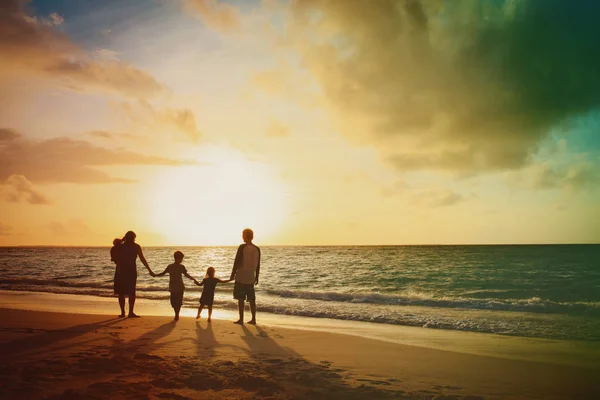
pixel 245 272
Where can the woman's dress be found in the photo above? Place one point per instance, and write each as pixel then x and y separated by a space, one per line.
pixel 126 272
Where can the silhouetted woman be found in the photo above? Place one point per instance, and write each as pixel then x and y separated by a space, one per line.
pixel 126 272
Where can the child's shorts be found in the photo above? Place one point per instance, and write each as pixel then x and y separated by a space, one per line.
pixel 176 299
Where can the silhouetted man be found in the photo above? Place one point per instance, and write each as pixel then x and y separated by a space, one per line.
pixel 246 268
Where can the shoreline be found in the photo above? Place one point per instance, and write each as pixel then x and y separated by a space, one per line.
pixel 64 356
pixel 583 354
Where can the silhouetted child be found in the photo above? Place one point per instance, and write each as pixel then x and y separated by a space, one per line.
pixel 208 293
pixel 176 286
pixel 114 251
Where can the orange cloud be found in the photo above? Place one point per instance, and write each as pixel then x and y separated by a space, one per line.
pixel 19 190
pixel 68 160
pixel 32 46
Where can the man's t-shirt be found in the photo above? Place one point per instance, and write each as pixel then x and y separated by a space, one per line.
pixel 247 261
pixel 176 272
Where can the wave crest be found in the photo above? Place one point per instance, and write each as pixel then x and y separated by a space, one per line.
pixel 414 298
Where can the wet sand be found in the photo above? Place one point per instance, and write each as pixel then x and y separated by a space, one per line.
pixel 71 356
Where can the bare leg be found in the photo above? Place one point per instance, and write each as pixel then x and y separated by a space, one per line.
pixel 253 311
pixel 199 310
pixel 131 305
pixel 122 305
pixel 209 313
pixel 241 310
pixel 177 309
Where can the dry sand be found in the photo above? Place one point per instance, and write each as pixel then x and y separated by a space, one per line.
pixel 73 356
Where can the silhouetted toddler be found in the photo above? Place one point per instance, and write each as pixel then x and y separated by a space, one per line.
pixel 208 293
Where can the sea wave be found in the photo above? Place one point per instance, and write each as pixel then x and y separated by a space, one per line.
pixel 406 298
pixel 50 285
pixel 414 298
pixel 374 308
pixel 70 277
pixel 472 322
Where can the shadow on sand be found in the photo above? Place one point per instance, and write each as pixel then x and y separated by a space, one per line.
pixel 52 337
pixel 259 368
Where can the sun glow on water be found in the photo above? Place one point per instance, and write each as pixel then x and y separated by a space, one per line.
pixel 211 204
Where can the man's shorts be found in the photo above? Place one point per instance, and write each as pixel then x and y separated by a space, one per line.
pixel 244 291
pixel 176 299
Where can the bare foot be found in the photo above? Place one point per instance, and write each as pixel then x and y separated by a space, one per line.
pixel 209 320
pixel 197 316
pixel 176 318
pixel 252 322
pixel 239 322
pixel 122 315
pixel 132 315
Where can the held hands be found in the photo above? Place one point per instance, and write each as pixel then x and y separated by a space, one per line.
pixel 152 274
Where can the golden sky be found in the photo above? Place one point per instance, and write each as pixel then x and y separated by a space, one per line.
pixel 320 122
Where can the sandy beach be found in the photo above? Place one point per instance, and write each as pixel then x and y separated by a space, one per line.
pixel 57 355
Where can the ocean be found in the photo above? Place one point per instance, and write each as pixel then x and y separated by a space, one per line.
pixel 544 291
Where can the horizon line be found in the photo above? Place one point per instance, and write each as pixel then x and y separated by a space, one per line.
pixel 316 245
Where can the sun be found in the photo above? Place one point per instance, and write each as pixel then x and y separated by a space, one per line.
pixel 210 204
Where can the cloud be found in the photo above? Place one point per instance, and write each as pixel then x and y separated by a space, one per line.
pixel 33 47
pixel 107 54
pixel 575 176
pixel 17 189
pixel 56 19
pixel 465 87
pixel 560 165
pixel 182 120
pixel 68 160
pixel 8 134
pixel 215 14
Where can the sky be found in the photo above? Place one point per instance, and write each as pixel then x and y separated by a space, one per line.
pixel 313 122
